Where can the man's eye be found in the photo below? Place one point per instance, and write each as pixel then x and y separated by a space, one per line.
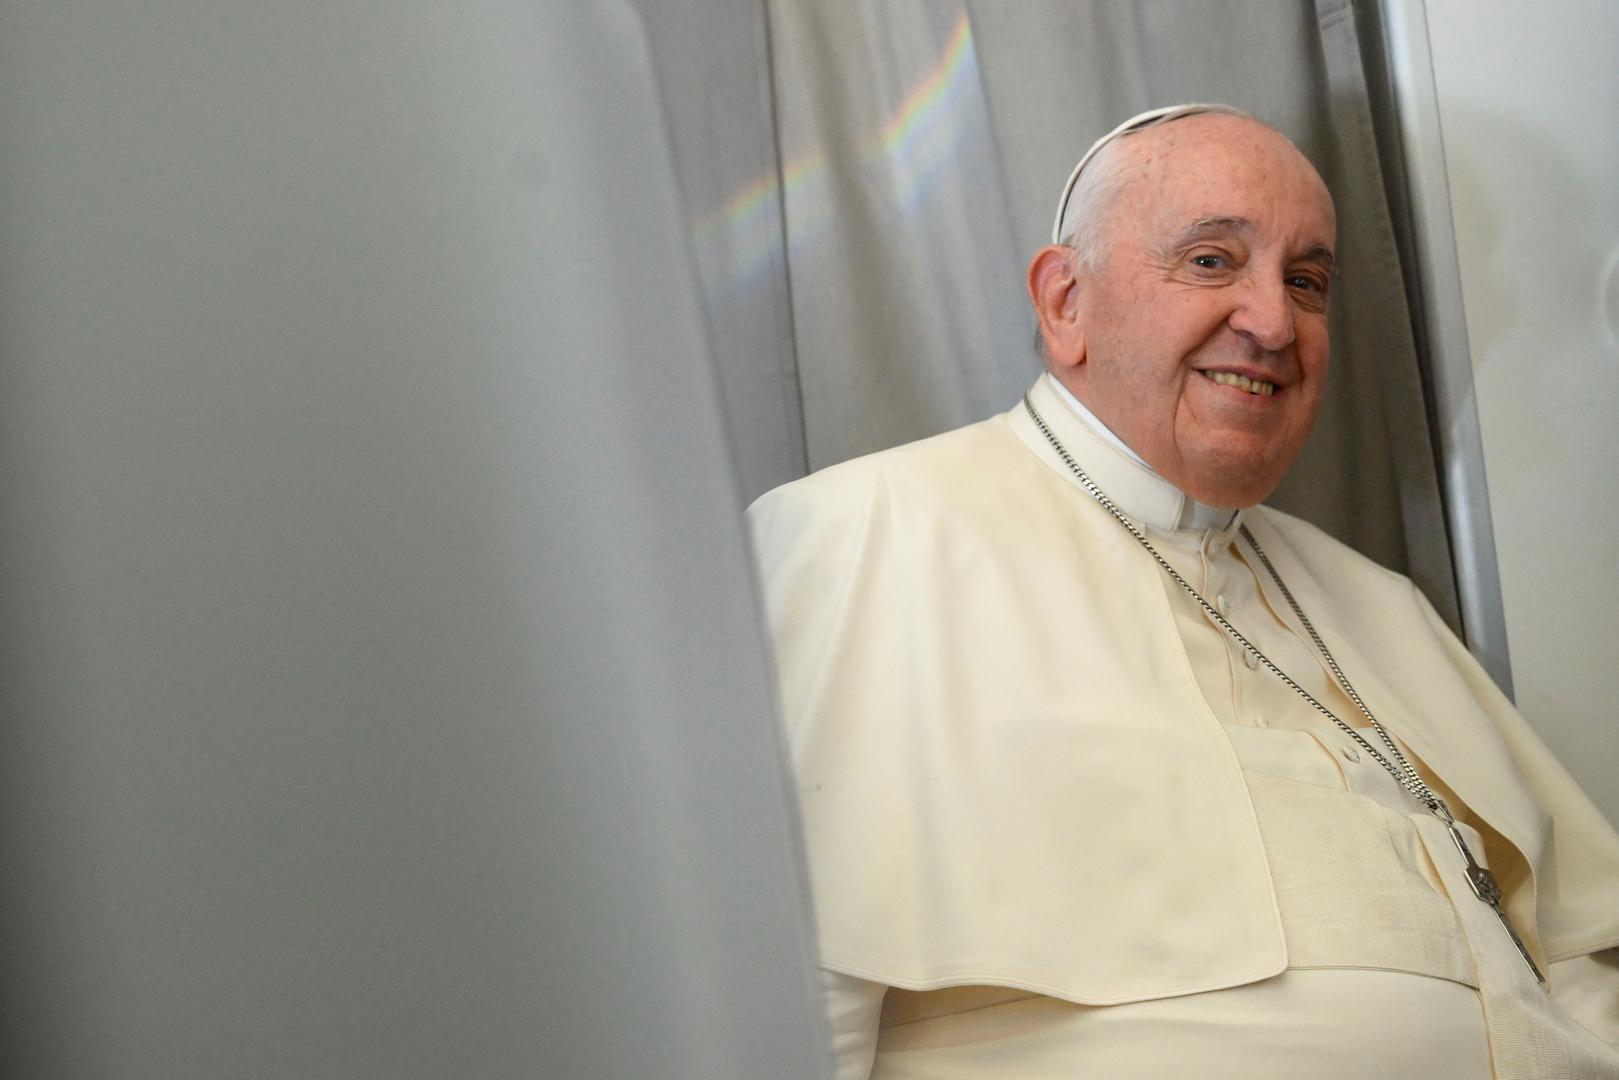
pixel 1208 262
pixel 1304 281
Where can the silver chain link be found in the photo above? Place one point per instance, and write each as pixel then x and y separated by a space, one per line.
pixel 1404 772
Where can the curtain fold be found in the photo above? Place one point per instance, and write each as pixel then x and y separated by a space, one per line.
pixel 712 62
pixel 905 280
pixel 1375 330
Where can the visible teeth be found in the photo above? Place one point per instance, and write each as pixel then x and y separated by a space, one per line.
pixel 1242 382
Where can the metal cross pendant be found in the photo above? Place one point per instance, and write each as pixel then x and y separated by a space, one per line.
pixel 1484 886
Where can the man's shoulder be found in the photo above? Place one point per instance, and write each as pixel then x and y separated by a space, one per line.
pixel 920 470
pixel 1317 545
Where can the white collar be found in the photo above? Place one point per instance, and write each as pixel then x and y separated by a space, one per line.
pixel 1121 473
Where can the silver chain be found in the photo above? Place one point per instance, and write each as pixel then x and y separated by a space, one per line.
pixel 1403 772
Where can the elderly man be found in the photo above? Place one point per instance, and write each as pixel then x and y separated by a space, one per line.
pixel 1106 770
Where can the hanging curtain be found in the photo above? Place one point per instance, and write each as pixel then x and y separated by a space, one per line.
pixel 922 143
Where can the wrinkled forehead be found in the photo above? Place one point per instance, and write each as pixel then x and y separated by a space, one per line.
pixel 1200 161
pixel 1212 165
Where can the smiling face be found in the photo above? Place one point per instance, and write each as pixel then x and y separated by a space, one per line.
pixel 1201 340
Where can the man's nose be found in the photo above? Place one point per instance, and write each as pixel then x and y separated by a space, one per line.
pixel 1264 314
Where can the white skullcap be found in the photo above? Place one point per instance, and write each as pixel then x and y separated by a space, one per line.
pixel 1136 123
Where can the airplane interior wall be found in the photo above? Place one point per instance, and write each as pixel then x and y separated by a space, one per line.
pixel 1529 105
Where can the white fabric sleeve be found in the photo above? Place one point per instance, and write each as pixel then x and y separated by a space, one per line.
pixel 853 1008
pixel 1587 987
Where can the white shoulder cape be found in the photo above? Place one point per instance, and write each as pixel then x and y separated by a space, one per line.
pixel 1007 773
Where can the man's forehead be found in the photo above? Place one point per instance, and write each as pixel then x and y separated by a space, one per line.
pixel 1164 169
pixel 1140 122
pixel 1299 214
pixel 1234 174
pixel 1206 129
pixel 1212 143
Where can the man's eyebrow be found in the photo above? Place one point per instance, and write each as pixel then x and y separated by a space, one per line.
pixel 1322 254
pixel 1206 227
pixel 1203 228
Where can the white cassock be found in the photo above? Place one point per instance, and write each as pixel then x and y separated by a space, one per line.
pixel 1059 825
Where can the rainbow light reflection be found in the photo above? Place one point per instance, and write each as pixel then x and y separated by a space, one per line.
pixel 911 148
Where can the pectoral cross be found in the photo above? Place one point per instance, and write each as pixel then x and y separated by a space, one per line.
pixel 1484 886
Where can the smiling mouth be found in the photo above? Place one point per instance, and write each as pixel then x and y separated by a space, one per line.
pixel 1241 382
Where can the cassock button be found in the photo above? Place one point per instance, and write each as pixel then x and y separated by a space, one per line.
pixel 1251 660
pixel 1261 721
pixel 1351 754
pixel 1223 604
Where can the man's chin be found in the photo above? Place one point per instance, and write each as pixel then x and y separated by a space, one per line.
pixel 1236 468
pixel 1231 485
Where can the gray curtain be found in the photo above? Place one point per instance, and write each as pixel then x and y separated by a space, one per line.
pixel 922 143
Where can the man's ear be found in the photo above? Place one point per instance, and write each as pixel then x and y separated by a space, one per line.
pixel 1053 293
